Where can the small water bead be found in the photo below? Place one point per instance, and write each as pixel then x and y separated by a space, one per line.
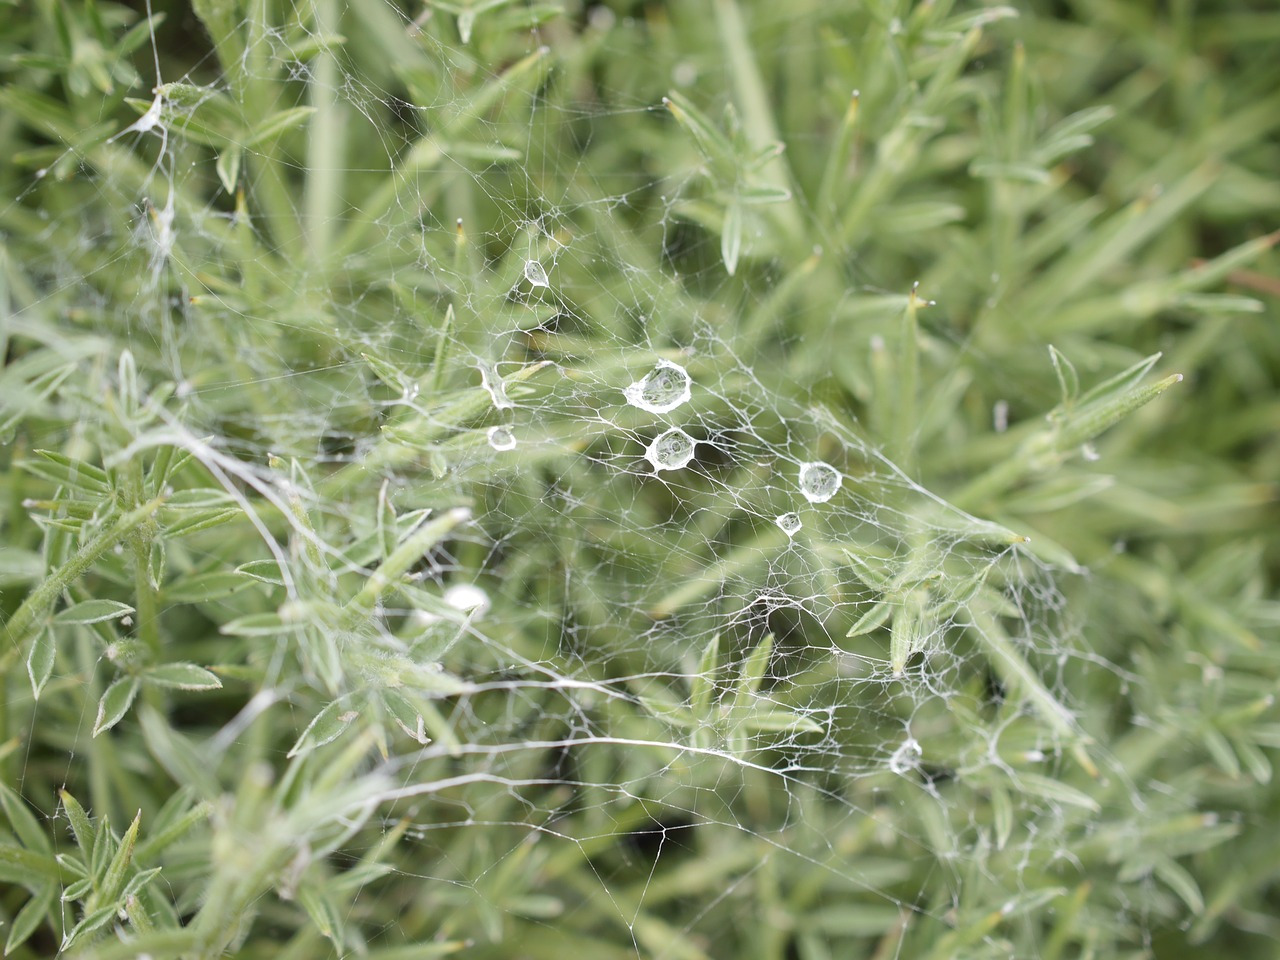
pixel 907 757
pixel 670 450
pixel 662 389
pixel 819 481
pixel 788 523
pixel 535 274
pixel 467 598
pixel 501 438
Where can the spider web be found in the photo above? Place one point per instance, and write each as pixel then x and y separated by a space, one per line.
pixel 697 646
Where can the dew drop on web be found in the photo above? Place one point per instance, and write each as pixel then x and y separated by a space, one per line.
pixel 535 274
pixel 468 598
pixel 501 438
pixel 670 450
pixel 906 757
pixel 788 523
pixel 819 481
pixel 662 389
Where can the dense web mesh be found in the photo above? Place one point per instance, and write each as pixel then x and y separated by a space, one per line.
pixel 660 604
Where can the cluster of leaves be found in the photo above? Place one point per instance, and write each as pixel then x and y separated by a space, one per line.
pixel 239 408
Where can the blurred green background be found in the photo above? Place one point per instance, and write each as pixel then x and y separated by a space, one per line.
pixel 260 322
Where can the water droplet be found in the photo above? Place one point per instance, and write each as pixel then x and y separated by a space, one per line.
pixel 788 523
pixel 535 274
pixel 819 481
pixel 662 389
pixel 501 438
pixel 906 757
pixel 468 598
pixel 670 450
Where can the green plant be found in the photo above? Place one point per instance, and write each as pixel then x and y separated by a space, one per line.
pixel 489 477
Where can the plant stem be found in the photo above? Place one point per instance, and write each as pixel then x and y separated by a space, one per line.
pixel 21 626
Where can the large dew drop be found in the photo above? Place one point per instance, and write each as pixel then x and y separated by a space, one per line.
pixel 501 438
pixel 662 389
pixel 536 274
pixel 670 450
pixel 789 523
pixel 819 481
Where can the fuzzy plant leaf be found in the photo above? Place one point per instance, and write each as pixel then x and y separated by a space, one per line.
pixel 115 703
pixel 679 479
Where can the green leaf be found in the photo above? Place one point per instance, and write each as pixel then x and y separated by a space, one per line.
pixel 202 520
pixel 409 552
pixel 702 689
pixel 113 879
pixel 1181 882
pixel 388 536
pixel 671 713
pixel 138 882
pixel 731 236
pixel 405 715
pixel 25 825
pixel 27 867
pixel 325 727
pixel 203 587
pixel 115 703
pixel 1018 172
pixel 40 659
pixel 487 152
pixel 773 721
pixel 1068 380
pixel 28 920
pixel 1123 381
pixel 68 472
pixel 388 373
pixel 228 167
pixel 873 617
pixel 1092 418
pixel 173 823
pixel 178 755
pixel 871 570
pixel 86 833
pixel 258 625
pixel 93 611
pixel 104 848
pixel 906 635
pixel 711 142
pixel 182 676
pixel 199 498
pixel 1050 789
pixel 78 890
pixel 324 913
pixel 756 195
pixel 1001 814
pixel 753 670
pixel 266 571
pixel 1014 670
pixel 277 124
pixel 19 567
pixel 94 921
pixel 927 215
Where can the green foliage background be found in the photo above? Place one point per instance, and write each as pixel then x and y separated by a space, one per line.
pixel 205 337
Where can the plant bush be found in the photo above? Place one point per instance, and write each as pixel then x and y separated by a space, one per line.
pixel 501 478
